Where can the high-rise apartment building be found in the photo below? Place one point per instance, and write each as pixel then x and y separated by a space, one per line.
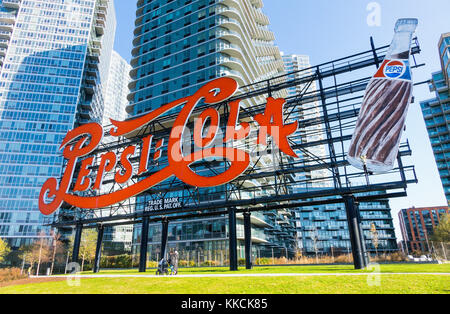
pixel 116 96
pixel 417 225
pixel 297 67
pixel 54 57
pixel 178 47
pixel 117 239
pixel 436 114
pixel 323 229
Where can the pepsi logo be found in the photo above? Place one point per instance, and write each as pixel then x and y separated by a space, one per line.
pixel 395 69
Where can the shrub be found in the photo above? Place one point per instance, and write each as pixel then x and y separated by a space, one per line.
pixel 183 263
pixel 344 259
pixel 186 264
pixel 120 261
pixel 263 261
pixel 394 257
pixel 152 264
pixel 211 263
pixel 11 274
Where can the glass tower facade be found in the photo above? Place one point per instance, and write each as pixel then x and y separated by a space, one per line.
pixel 178 47
pixel 118 239
pixel 323 229
pixel 117 90
pixel 53 57
pixel 294 64
pixel 436 113
pixel 182 44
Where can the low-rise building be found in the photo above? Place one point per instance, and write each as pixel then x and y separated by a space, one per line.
pixel 417 226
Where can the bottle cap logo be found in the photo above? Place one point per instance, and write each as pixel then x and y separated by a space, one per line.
pixel 395 69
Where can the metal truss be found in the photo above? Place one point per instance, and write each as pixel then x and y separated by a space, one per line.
pixel 328 117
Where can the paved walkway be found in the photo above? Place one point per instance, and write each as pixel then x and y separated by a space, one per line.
pixel 248 275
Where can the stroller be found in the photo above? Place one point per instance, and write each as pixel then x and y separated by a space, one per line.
pixel 165 268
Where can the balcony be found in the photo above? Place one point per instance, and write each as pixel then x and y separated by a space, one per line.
pixel 11 4
pixel 92 64
pixel 100 29
pixel 233 74
pixel 85 114
pixel 5 34
pixel 7 17
pixel 319 218
pixel 4 43
pixel 6 26
pixel 89 88
pixel 333 227
pixel 91 79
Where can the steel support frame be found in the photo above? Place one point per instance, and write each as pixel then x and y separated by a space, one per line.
pixel 248 240
pixel 232 233
pixel 355 230
pixel 77 243
pixel 98 250
pixel 252 90
pixel 164 237
pixel 144 245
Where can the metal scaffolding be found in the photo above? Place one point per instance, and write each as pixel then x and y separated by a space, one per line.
pixel 328 115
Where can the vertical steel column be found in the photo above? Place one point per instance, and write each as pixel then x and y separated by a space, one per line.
pixel 144 245
pixel 401 168
pixel 374 52
pixel 365 254
pixel 334 168
pixel 76 243
pixel 98 250
pixel 164 237
pixel 354 230
pixel 248 240
pixel 233 239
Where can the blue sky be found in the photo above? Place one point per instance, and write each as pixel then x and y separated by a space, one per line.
pixel 330 29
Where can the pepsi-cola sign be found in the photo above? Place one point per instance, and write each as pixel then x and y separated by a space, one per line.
pixel 80 144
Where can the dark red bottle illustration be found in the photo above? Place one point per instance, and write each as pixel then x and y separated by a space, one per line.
pixel 376 140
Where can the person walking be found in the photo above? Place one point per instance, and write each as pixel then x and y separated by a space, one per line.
pixel 175 259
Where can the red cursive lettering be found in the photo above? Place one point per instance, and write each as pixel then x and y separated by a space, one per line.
pixel 84 140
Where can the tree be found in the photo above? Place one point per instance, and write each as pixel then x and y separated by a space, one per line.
pixel 25 255
pixel 40 252
pixel 58 249
pixel 315 238
pixel 375 239
pixel 36 253
pixel 88 246
pixel 4 250
pixel 442 232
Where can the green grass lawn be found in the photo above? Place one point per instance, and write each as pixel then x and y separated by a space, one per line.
pixel 401 284
pixel 411 284
pixel 387 268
